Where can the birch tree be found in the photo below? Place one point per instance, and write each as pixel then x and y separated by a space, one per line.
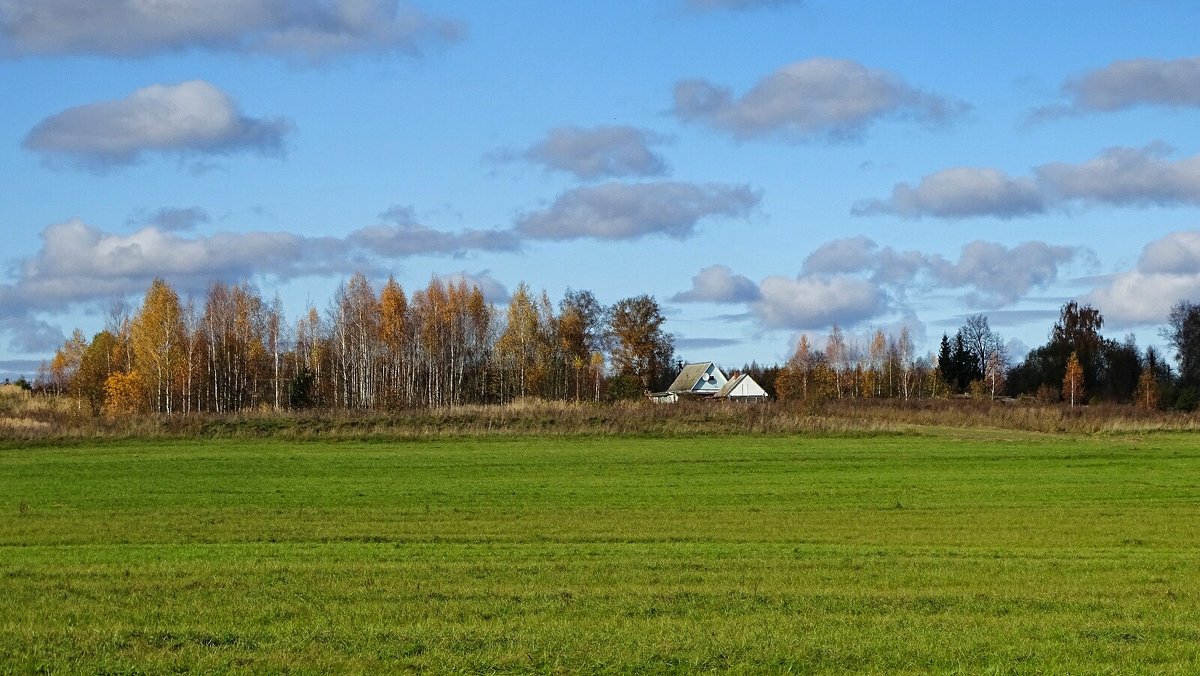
pixel 837 356
pixel 904 349
pixel 1073 388
pixel 517 349
pixel 395 339
pixel 157 337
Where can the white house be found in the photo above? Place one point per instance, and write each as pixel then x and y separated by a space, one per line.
pixel 742 388
pixel 698 381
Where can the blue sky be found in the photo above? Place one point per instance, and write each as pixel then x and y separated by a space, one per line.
pixel 762 167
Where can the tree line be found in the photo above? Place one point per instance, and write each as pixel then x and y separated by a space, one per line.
pixel 1077 364
pixel 441 345
pixel 445 345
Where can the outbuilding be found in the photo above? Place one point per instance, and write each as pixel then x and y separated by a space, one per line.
pixel 743 389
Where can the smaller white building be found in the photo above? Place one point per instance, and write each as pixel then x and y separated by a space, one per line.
pixel 742 389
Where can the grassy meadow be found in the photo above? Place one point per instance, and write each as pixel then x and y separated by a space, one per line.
pixel 933 550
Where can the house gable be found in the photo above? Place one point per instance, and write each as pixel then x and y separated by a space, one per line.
pixel 700 379
pixel 743 388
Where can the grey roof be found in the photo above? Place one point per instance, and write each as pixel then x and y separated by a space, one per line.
pixel 729 385
pixel 689 376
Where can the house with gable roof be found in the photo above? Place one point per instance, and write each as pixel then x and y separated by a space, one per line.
pixel 704 380
pixel 743 389
pixel 696 381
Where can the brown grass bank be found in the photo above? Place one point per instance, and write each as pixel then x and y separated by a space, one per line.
pixel 28 418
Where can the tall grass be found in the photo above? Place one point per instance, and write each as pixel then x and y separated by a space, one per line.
pixel 23 417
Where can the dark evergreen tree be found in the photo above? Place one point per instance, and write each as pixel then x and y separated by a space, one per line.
pixel 946 369
pixel 966 364
pixel 1118 370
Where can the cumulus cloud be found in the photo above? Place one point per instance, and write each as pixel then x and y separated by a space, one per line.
pixel 1127 84
pixel 404 236
pixel 81 264
pixel 188 119
pixel 718 284
pixel 599 152
pixel 1176 254
pixel 994 274
pixel 809 302
pixel 833 99
pixel 960 192
pixel 849 254
pixel 172 219
pixel 299 30
pixel 1134 177
pixel 1167 271
pixel 851 280
pixel 861 254
pixel 1126 177
pixel 632 210
pixel 493 290
pixel 1001 275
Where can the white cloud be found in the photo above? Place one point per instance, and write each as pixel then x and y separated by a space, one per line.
pixel 810 302
pixel 599 152
pixel 718 284
pixel 404 236
pixel 1135 297
pixel 187 119
pixel 79 264
pixel 300 30
pixel 1127 177
pixel 817 98
pixel 633 210
pixel 1176 254
pixel 862 254
pixel 849 254
pixel 1001 275
pixel 493 290
pixel 1126 84
pixel 392 241
pixel 1167 271
pixel 995 274
pixel 960 192
pixel 851 280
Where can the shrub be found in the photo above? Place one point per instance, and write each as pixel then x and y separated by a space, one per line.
pixel 1188 399
pixel 1048 394
pixel 624 388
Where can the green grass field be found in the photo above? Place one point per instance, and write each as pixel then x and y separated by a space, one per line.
pixel 966 551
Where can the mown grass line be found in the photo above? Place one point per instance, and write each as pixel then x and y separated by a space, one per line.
pixel 949 552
